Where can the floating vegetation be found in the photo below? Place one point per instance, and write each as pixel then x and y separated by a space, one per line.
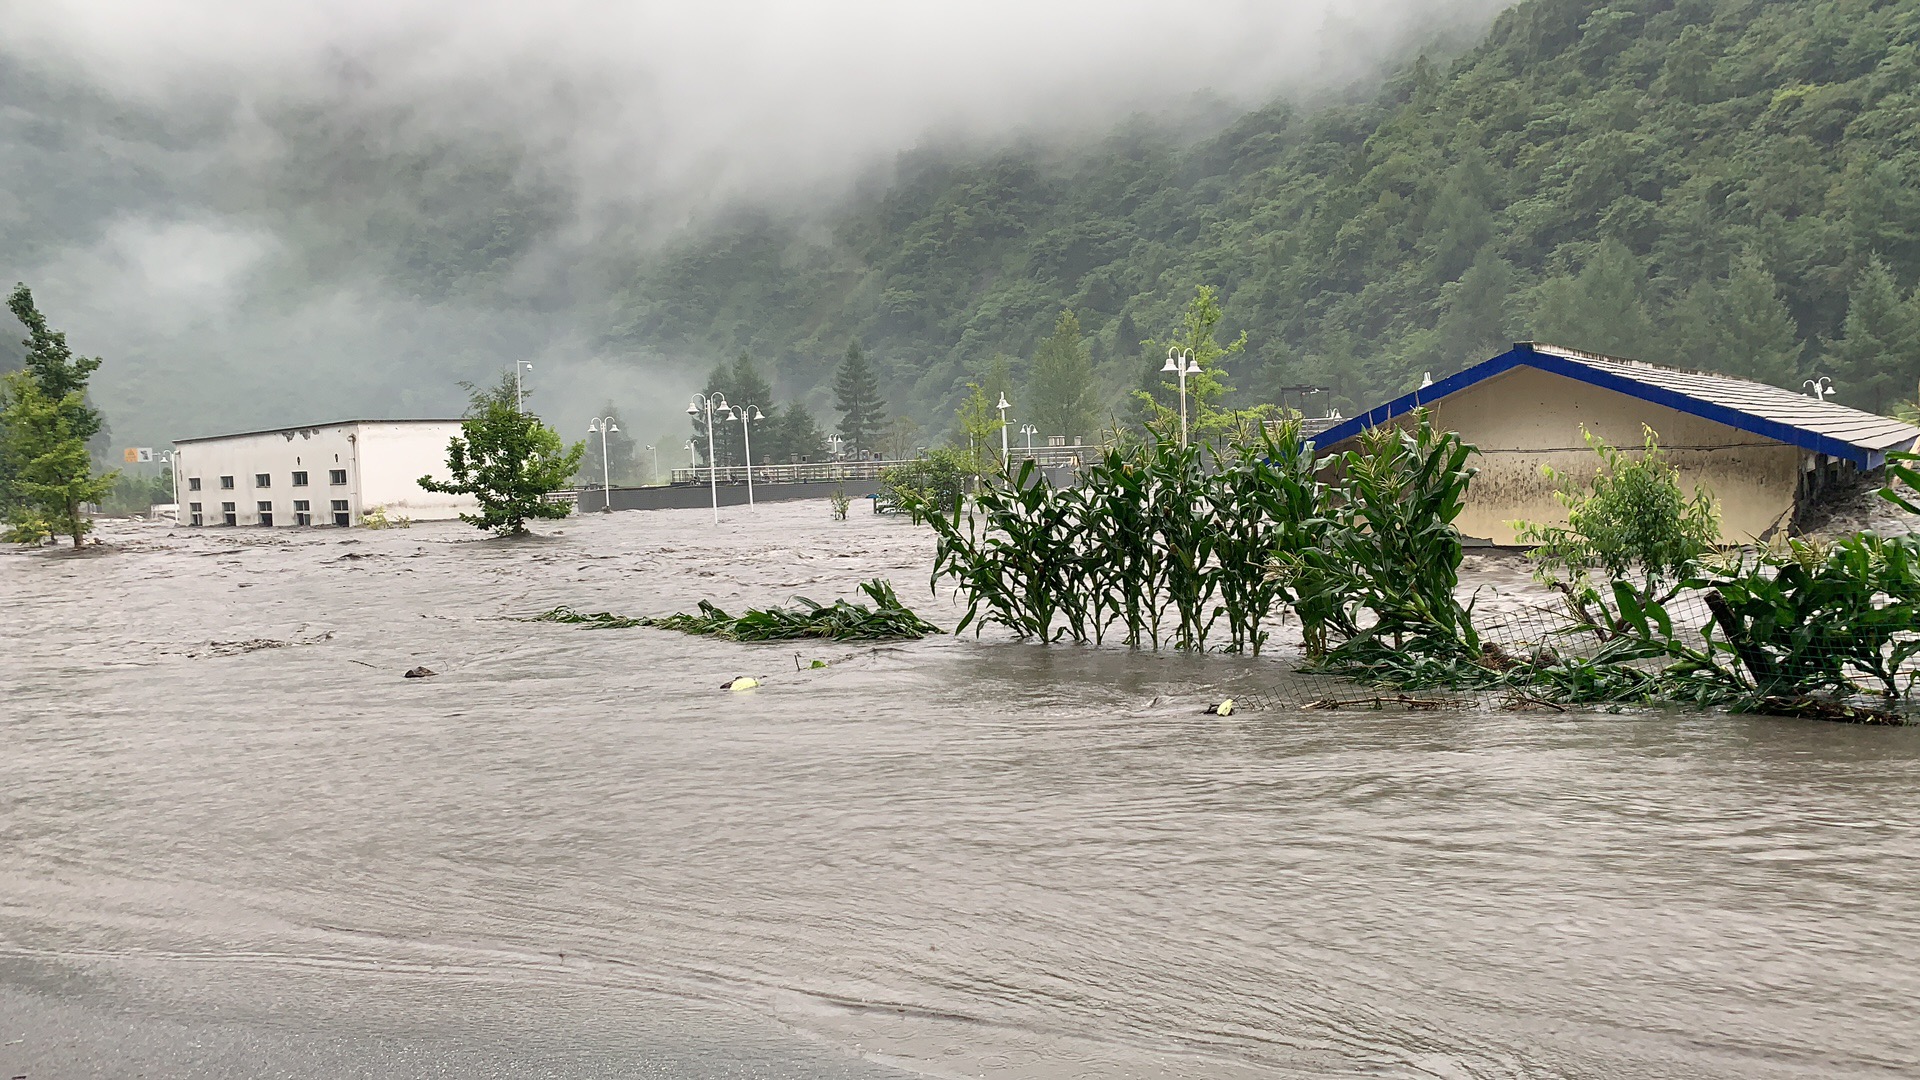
pixel 888 619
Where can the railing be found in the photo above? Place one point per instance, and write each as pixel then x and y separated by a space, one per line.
pixel 827 472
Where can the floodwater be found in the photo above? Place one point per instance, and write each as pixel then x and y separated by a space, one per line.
pixel 957 857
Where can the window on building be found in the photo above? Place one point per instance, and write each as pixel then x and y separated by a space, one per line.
pixel 302 509
pixel 261 479
pixel 194 508
pixel 193 483
pixel 266 512
pixel 340 515
pixel 299 479
pixel 226 483
pixel 226 511
pixel 336 477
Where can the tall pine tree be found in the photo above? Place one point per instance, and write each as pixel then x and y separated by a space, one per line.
pixel 856 394
pixel 1876 360
pixel 1060 390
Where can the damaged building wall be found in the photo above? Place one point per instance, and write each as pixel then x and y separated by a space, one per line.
pixel 1524 419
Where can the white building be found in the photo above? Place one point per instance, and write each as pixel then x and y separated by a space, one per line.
pixel 327 474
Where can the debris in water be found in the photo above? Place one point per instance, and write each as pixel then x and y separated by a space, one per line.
pixel 744 682
pixel 1225 708
pixel 419 672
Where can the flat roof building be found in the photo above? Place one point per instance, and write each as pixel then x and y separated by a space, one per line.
pixel 1766 454
pixel 321 474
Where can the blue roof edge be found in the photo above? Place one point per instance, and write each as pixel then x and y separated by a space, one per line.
pixel 1526 356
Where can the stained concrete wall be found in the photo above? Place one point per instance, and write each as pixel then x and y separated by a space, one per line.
pixel 1525 419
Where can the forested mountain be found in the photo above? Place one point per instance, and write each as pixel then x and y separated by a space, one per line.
pixel 1727 184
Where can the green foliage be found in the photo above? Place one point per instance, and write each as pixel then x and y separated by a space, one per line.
pixel 1627 179
pixel 887 620
pixel 1629 517
pixel 54 367
pixel 508 460
pixel 1205 390
pixel 1877 357
pixel 1061 395
pixel 1147 531
pixel 622 466
pixel 133 494
pixel 977 427
pixel 856 394
pixel 377 518
pixel 935 479
pixel 52 472
pixel 1389 562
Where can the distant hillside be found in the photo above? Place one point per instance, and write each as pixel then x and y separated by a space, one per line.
pixel 1707 182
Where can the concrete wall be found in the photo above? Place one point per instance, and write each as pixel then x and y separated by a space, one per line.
pixel 393 458
pixel 382 462
pixel 683 497
pixel 1525 419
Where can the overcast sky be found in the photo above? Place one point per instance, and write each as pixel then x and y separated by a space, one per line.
pixel 654 110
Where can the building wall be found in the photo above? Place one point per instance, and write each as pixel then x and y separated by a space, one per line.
pixel 381 462
pixel 393 458
pixel 1525 419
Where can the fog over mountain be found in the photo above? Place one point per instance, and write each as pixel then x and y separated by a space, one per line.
pixel 264 214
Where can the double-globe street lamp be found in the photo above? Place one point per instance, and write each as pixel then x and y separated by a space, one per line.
pixel 747 414
pixel 1006 457
pixel 1029 431
pixel 711 403
pixel 604 426
pixel 1182 363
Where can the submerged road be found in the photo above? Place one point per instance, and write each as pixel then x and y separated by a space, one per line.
pixel 234 842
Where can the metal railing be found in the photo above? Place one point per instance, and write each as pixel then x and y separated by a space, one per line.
pixel 827 472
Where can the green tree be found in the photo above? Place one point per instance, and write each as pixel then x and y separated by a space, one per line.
pixel 53 476
pixel 1475 325
pixel 53 364
pixel 977 425
pixel 508 460
pixel 1877 359
pixel 1629 516
pixel 1603 309
pixel 1060 390
pixel 741 384
pixel 792 436
pixel 1206 390
pixel 856 394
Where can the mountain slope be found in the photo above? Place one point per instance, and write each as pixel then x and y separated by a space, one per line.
pixel 1702 182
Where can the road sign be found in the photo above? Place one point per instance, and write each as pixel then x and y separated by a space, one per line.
pixel 139 455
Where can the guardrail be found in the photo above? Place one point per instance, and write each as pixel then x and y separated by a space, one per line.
pixel 827 472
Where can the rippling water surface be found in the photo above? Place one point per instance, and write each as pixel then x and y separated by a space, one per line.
pixel 959 857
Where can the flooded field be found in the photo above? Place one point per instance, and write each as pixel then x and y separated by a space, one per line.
pixel 220 803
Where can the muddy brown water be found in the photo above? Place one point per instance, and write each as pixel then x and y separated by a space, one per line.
pixel 957 857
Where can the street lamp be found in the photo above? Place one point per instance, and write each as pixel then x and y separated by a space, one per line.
pixel 834 442
pixel 1006 459
pixel 747 414
pixel 1183 364
pixel 167 458
pixel 656 463
pixel 1029 431
pixel 603 427
pixel 693 462
pixel 1820 388
pixel 710 402
pixel 519 395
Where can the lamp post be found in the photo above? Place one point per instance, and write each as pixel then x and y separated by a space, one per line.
pixel 747 414
pixel 834 442
pixel 519 395
pixel 693 462
pixel 710 402
pixel 167 458
pixel 1029 431
pixel 604 426
pixel 1006 458
pixel 1820 388
pixel 656 463
pixel 1181 363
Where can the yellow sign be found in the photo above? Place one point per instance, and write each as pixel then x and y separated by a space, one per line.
pixel 138 455
pixel 132 455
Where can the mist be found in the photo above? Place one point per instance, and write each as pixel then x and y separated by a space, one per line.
pixel 201 193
